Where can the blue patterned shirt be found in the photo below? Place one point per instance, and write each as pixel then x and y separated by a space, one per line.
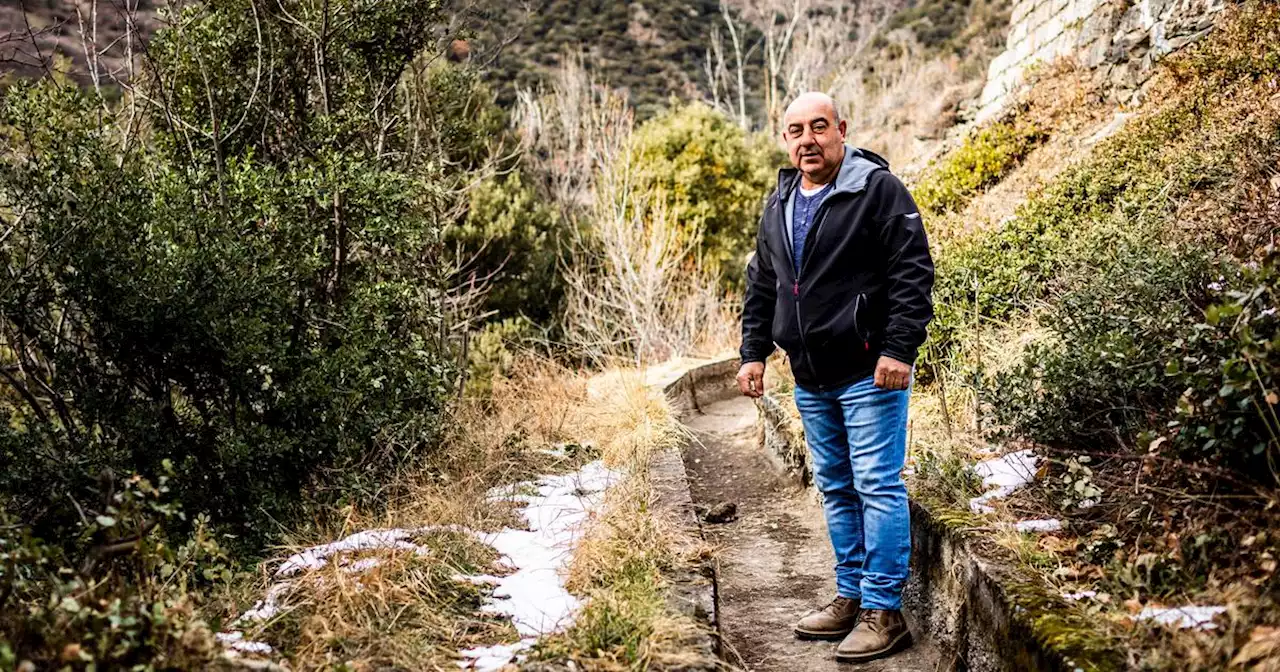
pixel 804 208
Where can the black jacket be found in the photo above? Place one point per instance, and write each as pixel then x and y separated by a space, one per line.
pixel 864 284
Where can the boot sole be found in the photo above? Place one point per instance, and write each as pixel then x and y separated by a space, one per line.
pixel 899 643
pixel 815 635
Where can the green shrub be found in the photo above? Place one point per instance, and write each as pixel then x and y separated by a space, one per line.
pixel 985 157
pixel 491 352
pixel 1134 179
pixel 1098 379
pixel 139 612
pixel 1112 260
pixel 511 240
pixel 251 293
pixel 712 179
pixel 1229 367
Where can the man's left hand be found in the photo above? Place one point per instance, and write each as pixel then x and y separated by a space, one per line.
pixel 892 374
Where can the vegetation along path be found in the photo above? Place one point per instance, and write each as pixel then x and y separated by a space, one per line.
pixel 775 559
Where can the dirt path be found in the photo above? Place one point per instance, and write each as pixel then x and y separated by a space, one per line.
pixel 775 559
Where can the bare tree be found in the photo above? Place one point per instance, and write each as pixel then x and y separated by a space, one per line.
pixel 571 130
pixel 808 44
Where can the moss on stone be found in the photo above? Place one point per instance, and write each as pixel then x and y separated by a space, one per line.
pixel 1061 628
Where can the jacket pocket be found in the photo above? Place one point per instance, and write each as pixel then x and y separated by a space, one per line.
pixel 858 320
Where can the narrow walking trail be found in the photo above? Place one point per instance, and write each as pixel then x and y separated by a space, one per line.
pixel 775 559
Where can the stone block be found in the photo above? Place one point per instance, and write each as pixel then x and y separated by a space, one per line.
pixel 1041 14
pixel 1094 54
pixel 1158 9
pixel 1156 38
pixel 1069 38
pixel 999 64
pixel 1044 34
pixel 1020 11
pixel 1130 35
pixel 1017 33
pixel 1023 51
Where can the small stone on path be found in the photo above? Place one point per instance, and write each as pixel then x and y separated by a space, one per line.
pixel 724 512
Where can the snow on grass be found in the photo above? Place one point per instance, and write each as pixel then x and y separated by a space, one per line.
pixel 533 596
pixel 494 657
pixel 1198 617
pixel 1001 476
pixel 316 556
pixel 269 606
pixel 235 641
pixel 1038 525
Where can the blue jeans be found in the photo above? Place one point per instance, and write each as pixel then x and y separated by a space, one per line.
pixel 857 435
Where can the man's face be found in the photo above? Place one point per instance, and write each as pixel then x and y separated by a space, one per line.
pixel 814 139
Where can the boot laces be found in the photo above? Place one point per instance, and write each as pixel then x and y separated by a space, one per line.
pixel 839 602
pixel 871 617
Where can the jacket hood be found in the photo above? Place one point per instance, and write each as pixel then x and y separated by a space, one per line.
pixel 855 170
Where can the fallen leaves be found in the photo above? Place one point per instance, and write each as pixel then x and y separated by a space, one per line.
pixel 1262 652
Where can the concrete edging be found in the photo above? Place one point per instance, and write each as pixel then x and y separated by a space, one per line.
pixel 693 587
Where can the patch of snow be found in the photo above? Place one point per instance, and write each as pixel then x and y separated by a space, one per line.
pixel 492 657
pixel 316 556
pixel 533 596
pixel 478 579
pixel 362 565
pixel 1080 595
pixel 235 641
pixel 1086 504
pixel 1199 617
pixel 1001 476
pixel 1046 525
pixel 269 606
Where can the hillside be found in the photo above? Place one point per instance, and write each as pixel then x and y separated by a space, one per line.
pixel 651 49
pixel 34 34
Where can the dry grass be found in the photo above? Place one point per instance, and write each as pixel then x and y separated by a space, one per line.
pixel 905 108
pixel 410 613
pixel 620 564
pixel 1063 101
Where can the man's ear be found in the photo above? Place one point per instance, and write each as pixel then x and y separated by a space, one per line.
pixel 844 128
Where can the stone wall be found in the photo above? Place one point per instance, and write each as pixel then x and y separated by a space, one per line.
pixel 1121 39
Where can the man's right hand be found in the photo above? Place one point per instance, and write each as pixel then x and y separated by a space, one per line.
pixel 751 379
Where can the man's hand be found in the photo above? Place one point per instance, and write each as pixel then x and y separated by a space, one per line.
pixel 890 374
pixel 751 379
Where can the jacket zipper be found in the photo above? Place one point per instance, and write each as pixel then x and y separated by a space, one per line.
pixel 795 288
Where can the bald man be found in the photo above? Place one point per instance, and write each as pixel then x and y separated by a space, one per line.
pixel 841 280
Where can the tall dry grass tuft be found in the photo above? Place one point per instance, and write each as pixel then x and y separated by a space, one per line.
pixel 571 130
pixel 620 563
pixel 633 292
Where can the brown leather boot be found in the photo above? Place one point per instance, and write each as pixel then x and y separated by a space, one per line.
pixel 879 633
pixel 830 622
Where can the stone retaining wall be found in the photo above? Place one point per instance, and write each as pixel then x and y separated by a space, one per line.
pixel 1122 39
pixel 783 439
